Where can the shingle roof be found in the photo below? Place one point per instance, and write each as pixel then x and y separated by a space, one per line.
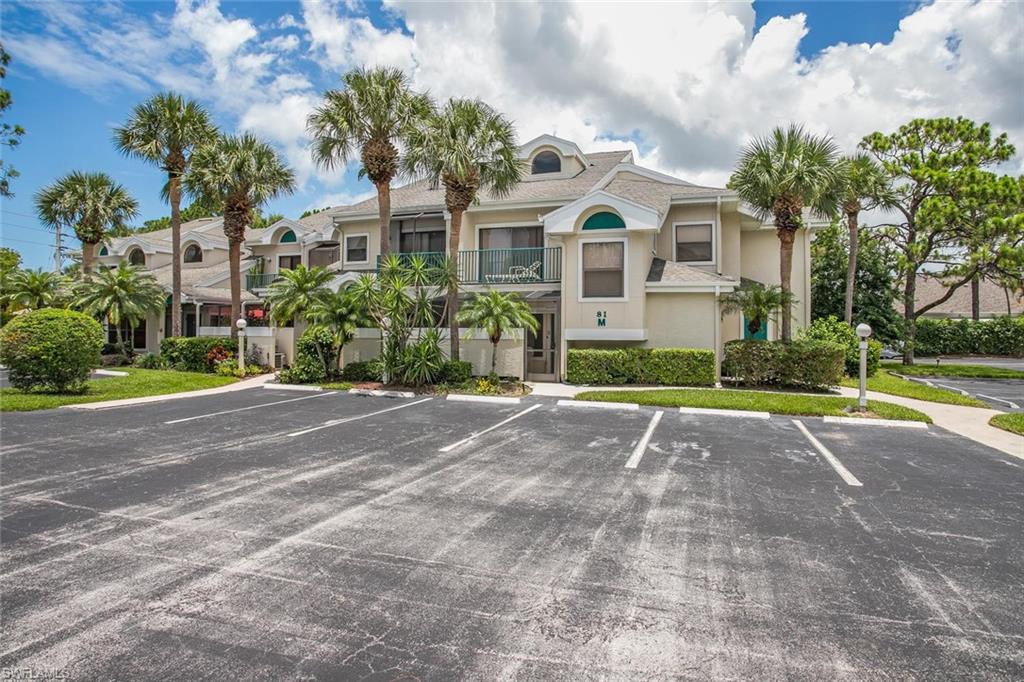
pixel 668 271
pixel 195 282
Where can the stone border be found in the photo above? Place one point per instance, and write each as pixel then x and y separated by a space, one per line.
pixel 292 387
pixel 750 414
pixel 469 398
pixel 377 393
pixel 866 421
pixel 598 404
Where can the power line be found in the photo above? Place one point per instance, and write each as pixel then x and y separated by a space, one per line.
pixel 23 215
pixel 23 241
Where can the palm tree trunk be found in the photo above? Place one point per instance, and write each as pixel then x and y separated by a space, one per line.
pixel 235 257
pixel 87 255
pixel 174 195
pixel 786 238
pixel 453 290
pixel 494 357
pixel 120 336
pixel 384 213
pixel 851 268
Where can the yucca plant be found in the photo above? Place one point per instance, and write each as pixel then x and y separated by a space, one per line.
pixel 422 360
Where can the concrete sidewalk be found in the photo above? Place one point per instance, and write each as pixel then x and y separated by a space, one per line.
pixel 254 382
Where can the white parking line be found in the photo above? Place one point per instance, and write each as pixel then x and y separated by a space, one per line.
pixel 641 447
pixel 345 420
pixel 1014 406
pixel 474 436
pixel 843 472
pixel 250 407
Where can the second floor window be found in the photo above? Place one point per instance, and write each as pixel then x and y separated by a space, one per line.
pixel 546 162
pixel 288 262
pixel 193 254
pixel 693 243
pixel 136 257
pixel 604 269
pixel 357 248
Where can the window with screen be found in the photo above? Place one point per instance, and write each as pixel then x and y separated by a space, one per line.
pixel 136 257
pixel 288 262
pixel 694 243
pixel 193 254
pixel 604 269
pixel 357 248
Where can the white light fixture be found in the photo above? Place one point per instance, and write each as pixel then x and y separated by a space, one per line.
pixel 242 324
pixel 864 332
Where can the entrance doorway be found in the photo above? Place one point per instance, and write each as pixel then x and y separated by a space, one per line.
pixel 542 349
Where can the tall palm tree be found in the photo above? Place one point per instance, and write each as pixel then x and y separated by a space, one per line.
pixel 864 186
pixel 33 289
pixel 165 130
pixel 370 118
pixel 124 293
pixel 496 313
pixel 241 173
pixel 340 312
pixel 778 176
pixel 91 203
pixel 292 296
pixel 758 303
pixel 467 147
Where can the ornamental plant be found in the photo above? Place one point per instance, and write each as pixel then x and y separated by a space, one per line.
pixel 51 350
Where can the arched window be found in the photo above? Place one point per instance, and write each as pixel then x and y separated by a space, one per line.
pixel 103 251
pixel 136 257
pixel 604 220
pixel 546 162
pixel 288 237
pixel 193 254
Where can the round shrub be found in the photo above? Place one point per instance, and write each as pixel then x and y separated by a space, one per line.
pixel 51 350
pixel 314 358
pixel 834 330
pixel 371 370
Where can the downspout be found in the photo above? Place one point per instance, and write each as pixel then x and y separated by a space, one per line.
pixel 718 337
pixel 718 236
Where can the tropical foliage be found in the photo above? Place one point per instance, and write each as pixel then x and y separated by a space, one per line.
pixel 122 293
pixel 294 293
pixel 370 118
pixel 241 173
pixel 91 203
pixel 50 350
pixel 10 133
pixel 33 289
pixel 758 303
pixel 779 176
pixel 340 313
pixel 497 314
pixel 468 147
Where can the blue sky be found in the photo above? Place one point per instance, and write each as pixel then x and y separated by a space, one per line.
pixel 682 85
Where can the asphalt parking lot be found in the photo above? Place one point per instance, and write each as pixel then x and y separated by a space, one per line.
pixel 1001 394
pixel 266 535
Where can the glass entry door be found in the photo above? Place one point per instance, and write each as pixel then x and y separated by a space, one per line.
pixel 542 349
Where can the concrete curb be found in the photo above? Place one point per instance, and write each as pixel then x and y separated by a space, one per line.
pixel 377 393
pixel 750 414
pixel 255 382
pixel 109 373
pixel 875 422
pixel 466 398
pixel 598 404
pixel 292 387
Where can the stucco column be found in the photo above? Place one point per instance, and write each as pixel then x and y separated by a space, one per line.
pixel 199 316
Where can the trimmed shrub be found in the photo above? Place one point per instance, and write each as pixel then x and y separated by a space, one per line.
pixel 197 353
pixel 659 366
pixel 370 370
pixel 455 372
pixel 752 361
pixel 999 336
pixel 805 363
pixel 833 329
pixel 51 350
pixel 314 358
pixel 150 361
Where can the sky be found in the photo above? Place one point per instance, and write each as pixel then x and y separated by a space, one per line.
pixel 683 85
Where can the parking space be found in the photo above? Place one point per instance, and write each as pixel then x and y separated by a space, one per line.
pixel 273 535
pixel 1002 394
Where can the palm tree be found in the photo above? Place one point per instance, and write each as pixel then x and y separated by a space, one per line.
pixel 467 147
pixel 370 118
pixel 121 293
pixel 781 174
pixel 340 312
pixel 92 203
pixel 33 289
pixel 292 296
pixel 165 130
pixel 495 313
pixel 241 173
pixel 864 186
pixel 758 303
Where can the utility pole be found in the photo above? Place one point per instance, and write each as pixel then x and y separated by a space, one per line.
pixel 57 251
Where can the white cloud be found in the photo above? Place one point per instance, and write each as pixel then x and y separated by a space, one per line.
pixel 284 43
pixel 340 199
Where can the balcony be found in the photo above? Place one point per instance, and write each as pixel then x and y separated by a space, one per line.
pixel 259 281
pixel 529 265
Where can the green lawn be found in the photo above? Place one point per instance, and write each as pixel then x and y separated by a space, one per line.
pixel 336 386
pixel 883 382
pixel 762 401
pixel 1011 421
pixel 928 368
pixel 138 383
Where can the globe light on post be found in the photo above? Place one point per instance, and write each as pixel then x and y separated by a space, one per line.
pixel 864 333
pixel 241 324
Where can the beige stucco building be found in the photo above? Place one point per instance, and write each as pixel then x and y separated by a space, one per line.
pixel 607 253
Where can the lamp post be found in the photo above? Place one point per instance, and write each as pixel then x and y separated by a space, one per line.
pixel 864 332
pixel 241 324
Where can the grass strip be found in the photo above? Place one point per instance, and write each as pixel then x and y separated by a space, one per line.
pixel 760 401
pixel 883 382
pixel 930 369
pixel 1011 421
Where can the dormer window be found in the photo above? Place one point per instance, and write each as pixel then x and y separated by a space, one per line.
pixel 546 162
pixel 136 257
pixel 288 237
pixel 193 254
pixel 103 251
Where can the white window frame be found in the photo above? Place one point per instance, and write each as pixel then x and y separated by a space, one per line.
pixel 524 223
pixel 713 224
pixel 202 253
pixel 279 256
pixel 580 298
pixel 344 242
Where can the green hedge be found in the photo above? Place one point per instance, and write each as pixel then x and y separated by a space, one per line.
pixel 833 329
pixel 197 353
pixel 1000 336
pixel 805 363
pixel 656 366
pixel 455 372
pixel 370 370
pixel 51 350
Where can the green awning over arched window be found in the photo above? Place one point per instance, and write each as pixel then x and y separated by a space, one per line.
pixel 287 238
pixel 605 220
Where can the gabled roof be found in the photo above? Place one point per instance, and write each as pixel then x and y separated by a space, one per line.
pixel 635 215
pixel 266 235
pixel 564 147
